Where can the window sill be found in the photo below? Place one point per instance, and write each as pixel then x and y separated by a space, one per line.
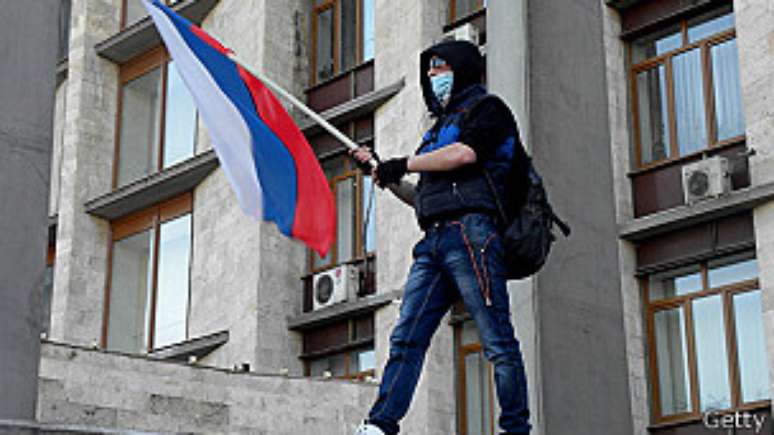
pixel 61 70
pixel 143 36
pixel 689 215
pixel 340 74
pixel 314 319
pixel 154 188
pixel 352 109
pixel 620 5
pixel 706 152
pixel 693 418
pixel 198 347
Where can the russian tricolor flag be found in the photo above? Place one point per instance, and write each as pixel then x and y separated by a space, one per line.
pixel 271 167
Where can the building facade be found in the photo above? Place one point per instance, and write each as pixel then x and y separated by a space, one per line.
pixel 656 313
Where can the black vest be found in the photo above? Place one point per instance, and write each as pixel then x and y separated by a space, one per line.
pixel 447 194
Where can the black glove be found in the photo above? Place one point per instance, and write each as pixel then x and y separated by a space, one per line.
pixel 391 171
pixel 366 166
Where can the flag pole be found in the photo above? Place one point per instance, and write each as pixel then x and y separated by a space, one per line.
pixel 349 143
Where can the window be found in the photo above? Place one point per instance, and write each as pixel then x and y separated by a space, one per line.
pixel 706 339
pixel 356 228
pixel 48 290
pixel 156 118
pixel 459 9
pixel 148 284
pixel 133 11
pixel 343 36
pixel 344 349
pixel 686 90
pixel 476 401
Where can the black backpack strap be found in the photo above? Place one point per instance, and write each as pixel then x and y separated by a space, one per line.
pixel 500 208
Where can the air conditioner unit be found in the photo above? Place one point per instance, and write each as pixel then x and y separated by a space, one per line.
pixel 708 178
pixel 334 286
pixel 465 32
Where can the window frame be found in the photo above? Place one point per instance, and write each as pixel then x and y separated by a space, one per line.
pixel 727 293
pixel 665 59
pixel 317 10
pixel 353 343
pixel 360 254
pixel 148 219
pixel 461 352
pixel 157 57
pixel 122 21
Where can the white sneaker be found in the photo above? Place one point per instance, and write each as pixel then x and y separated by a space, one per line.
pixel 368 429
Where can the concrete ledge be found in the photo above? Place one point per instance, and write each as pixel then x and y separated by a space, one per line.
pixel 154 188
pixel 685 216
pixel 622 4
pixel 61 70
pixel 333 313
pixel 198 347
pixel 353 108
pixel 142 35
pixel 19 427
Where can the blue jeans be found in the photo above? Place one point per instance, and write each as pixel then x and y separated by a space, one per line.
pixel 462 257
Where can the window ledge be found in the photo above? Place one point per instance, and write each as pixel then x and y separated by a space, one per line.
pixel 154 188
pixel 198 347
pixel 333 313
pixel 61 70
pixel 704 211
pixel 622 4
pixel 352 109
pixel 143 36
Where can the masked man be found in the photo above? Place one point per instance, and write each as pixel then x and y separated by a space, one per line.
pixel 463 161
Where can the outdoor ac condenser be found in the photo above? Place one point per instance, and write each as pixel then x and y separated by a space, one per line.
pixel 708 178
pixel 334 286
pixel 465 32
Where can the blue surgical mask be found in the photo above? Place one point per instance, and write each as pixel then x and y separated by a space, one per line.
pixel 442 86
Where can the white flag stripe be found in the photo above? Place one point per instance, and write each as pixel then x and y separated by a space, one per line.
pixel 229 132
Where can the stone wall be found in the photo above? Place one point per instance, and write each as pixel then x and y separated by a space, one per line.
pixel 87 154
pixel 620 151
pixel 755 38
pixel 79 386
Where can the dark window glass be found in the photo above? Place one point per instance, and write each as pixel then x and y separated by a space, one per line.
pixel 173 281
pixel 711 353
pixel 671 92
pixel 345 219
pixel 690 108
pixel 369 214
pixel 675 283
pixel 463 8
pixel 732 270
pixel 130 292
pixel 729 113
pixel 657 44
pixel 710 24
pixel 672 361
pixel 723 336
pixel 368 29
pixel 135 11
pixel 753 367
pixel 348 24
pixel 653 115
pixel 179 121
pixel 48 291
pixel 477 394
pixel 139 136
pixel 325 46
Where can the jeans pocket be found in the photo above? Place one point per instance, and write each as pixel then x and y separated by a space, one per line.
pixel 484 246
